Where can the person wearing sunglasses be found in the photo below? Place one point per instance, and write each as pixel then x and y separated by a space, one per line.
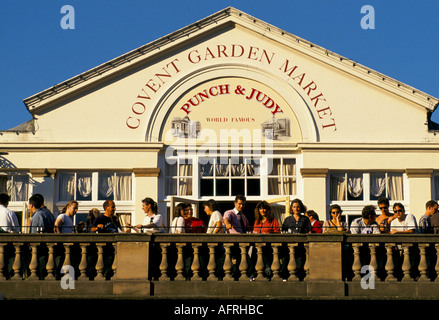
pixel 404 222
pixel 386 217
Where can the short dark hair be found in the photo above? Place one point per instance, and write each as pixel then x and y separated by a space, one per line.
pixel 398 204
pixel 37 200
pixel 383 200
pixel 107 203
pixel 430 203
pixel 367 211
pixel 312 213
pixel 4 199
pixel 240 197
pixel 211 204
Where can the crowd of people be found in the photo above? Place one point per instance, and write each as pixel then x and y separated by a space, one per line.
pixel 234 220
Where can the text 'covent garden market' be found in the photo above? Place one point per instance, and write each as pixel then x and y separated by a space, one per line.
pixel 228 105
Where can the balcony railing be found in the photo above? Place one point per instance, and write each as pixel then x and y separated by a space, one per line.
pixel 301 266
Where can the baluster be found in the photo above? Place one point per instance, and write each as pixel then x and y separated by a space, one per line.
pixel 67 259
pixel 196 263
pixel 83 263
pixel 33 266
pixel 390 266
pixel 292 265
pixel 275 266
pixel 100 263
pixel 164 263
pixel 406 265
pixel 228 263
pixel 50 266
pixel 2 260
pixel 260 262
pixel 179 265
pixel 356 266
pixel 306 266
pixel 211 267
pixel 436 268
pixel 423 266
pixel 373 261
pixel 114 265
pixel 243 266
pixel 17 262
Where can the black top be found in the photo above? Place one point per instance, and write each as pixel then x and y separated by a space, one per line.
pixel 111 225
pixel 303 225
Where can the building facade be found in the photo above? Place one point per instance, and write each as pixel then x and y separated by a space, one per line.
pixel 228 105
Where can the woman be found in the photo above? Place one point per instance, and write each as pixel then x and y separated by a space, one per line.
pixel 297 222
pixel 216 224
pixel 177 225
pixel 64 222
pixel 192 224
pixel 335 224
pixel 92 215
pixel 264 220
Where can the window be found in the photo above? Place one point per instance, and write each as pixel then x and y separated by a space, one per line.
pixel 16 185
pixel 388 185
pixel 229 177
pixel 225 176
pixel 178 174
pixel 353 186
pixel 94 186
pixel 282 177
pixel 114 186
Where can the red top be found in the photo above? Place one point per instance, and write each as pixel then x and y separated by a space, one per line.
pixel 194 225
pixel 266 227
pixel 316 227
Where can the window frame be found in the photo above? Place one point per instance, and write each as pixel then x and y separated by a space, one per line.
pixel 196 176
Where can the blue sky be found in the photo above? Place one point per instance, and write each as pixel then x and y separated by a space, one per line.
pixel 36 53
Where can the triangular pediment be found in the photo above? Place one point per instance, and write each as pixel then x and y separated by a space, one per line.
pixel 324 95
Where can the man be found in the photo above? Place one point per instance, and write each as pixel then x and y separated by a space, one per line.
pixel 425 225
pixel 434 220
pixel 404 223
pixel 386 217
pixel 8 219
pixel 64 222
pixel 366 224
pixel 107 222
pixel 42 220
pixel 234 219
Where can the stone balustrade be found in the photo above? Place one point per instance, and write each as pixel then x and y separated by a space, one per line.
pixel 282 266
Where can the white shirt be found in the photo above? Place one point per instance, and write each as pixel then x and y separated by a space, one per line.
pixel 156 219
pixel 177 225
pixel 8 220
pixel 408 223
pixel 214 218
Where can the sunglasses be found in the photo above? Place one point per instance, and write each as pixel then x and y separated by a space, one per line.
pixel 397 211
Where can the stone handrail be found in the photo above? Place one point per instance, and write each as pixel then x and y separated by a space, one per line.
pixel 184 265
